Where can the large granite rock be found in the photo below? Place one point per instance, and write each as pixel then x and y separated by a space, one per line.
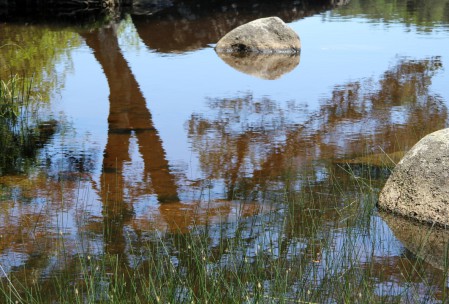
pixel 266 35
pixel 419 185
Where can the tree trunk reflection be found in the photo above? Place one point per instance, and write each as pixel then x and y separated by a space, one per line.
pixel 128 117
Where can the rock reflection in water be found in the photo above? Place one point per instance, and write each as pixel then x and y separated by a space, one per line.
pixel 265 66
pixel 428 243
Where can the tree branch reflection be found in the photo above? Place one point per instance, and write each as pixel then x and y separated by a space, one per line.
pixel 264 146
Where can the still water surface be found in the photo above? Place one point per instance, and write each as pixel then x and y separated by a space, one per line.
pixel 154 131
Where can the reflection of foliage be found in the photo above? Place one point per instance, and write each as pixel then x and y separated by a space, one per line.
pixel 21 133
pixel 128 35
pixel 400 110
pixel 251 142
pixel 35 50
pixel 294 163
pixel 411 12
pixel 242 128
pixel 408 82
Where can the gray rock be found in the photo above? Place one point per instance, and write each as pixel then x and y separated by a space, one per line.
pixel 265 66
pixel 266 35
pixel 419 185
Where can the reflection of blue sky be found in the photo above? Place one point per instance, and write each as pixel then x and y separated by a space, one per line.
pixel 84 103
pixel 399 115
pixel 177 86
pixel 333 53
pixel 10 259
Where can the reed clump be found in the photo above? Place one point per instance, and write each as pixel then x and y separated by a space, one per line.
pixel 310 247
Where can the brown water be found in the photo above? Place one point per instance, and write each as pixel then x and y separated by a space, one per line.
pixel 151 130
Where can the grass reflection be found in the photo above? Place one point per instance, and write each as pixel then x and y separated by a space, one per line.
pixel 22 133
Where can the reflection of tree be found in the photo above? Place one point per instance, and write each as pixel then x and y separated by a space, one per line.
pixel 410 12
pixel 254 146
pixel 394 116
pixel 407 83
pixel 222 144
pixel 194 24
pixel 34 51
pixel 128 116
pixel 237 143
pixel 62 11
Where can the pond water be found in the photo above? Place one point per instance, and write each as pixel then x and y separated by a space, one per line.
pixel 145 131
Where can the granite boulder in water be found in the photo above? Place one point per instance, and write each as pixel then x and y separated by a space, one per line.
pixel 418 188
pixel 266 35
